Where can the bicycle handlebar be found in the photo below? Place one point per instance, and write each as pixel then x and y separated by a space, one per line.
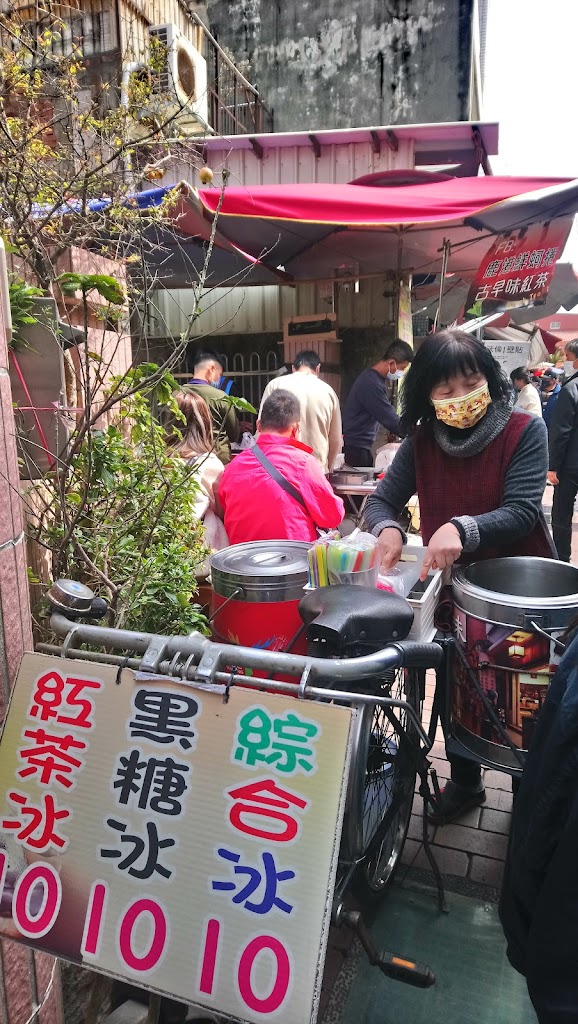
pixel 197 658
pixel 214 657
pixel 420 655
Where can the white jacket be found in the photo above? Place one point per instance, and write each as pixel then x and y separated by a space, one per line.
pixel 320 423
pixel 529 400
pixel 208 470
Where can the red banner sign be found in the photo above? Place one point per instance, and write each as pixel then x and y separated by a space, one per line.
pixel 517 269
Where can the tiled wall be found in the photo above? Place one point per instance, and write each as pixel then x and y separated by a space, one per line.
pixel 24 976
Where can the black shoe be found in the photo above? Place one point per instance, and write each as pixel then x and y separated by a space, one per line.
pixel 454 802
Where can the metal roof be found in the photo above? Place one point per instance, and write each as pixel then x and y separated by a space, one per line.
pixel 463 145
pixel 425 136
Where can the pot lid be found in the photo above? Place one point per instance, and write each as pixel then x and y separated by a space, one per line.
pixel 263 559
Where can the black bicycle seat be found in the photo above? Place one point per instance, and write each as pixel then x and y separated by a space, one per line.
pixel 351 614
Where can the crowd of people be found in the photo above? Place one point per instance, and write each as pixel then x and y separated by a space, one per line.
pixel 278 487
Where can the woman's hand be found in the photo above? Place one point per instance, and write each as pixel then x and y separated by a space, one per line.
pixel 389 547
pixel 444 548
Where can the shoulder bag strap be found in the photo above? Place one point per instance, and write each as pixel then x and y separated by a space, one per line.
pixel 277 476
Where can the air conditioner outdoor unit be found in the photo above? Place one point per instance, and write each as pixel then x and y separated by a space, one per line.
pixel 180 82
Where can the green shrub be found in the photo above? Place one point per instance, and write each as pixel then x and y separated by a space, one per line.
pixel 123 520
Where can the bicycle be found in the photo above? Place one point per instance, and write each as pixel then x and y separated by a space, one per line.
pixel 389 743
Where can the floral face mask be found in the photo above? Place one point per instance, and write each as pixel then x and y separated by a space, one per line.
pixel 463 412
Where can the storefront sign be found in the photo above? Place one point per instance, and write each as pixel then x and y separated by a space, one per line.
pixel 153 832
pixel 517 269
pixel 508 354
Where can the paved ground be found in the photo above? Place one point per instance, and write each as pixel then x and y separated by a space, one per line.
pixel 470 852
pixel 475 847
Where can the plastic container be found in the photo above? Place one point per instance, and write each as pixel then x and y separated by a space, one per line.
pixel 423 597
pixel 401 579
pixel 363 578
pixel 353 559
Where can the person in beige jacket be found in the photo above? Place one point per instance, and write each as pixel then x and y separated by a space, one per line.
pixel 527 397
pixel 320 422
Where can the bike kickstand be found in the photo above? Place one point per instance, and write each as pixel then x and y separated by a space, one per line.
pixel 431 801
pixel 400 968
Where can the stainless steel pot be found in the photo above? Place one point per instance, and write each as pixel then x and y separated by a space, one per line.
pixel 261 571
pixel 518 591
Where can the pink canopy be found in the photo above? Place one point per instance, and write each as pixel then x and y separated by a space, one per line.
pixel 316 231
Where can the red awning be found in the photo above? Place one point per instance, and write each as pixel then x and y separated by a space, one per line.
pixel 454 199
pixel 320 230
pixel 550 340
pixel 267 234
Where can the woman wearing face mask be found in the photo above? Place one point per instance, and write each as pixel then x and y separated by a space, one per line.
pixel 479 468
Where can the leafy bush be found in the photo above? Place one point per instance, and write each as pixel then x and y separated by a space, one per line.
pixel 22 297
pixel 124 522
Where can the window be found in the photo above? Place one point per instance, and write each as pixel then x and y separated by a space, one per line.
pixel 89 26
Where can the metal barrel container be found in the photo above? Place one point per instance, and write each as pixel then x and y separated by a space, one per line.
pixel 256 592
pixel 508 614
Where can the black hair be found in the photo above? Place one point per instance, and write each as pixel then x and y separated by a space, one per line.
pixel 200 356
pixel 521 373
pixel 441 356
pixel 307 358
pixel 280 411
pixel 572 347
pixel 399 351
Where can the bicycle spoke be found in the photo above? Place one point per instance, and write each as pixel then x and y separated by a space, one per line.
pixel 389 784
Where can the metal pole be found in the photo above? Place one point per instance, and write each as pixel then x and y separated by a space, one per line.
pixel 444 267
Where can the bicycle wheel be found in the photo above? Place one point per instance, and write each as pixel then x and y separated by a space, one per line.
pixel 387 767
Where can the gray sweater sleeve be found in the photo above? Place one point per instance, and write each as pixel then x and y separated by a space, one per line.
pixel 393 492
pixel 522 493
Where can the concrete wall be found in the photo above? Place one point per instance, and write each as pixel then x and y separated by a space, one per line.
pixel 330 64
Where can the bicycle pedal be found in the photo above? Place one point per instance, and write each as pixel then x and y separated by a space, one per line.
pixel 401 969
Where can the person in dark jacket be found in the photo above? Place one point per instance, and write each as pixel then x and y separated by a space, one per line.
pixel 207 370
pixel 539 903
pixel 479 468
pixel 368 405
pixel 563 444
pixel 550 389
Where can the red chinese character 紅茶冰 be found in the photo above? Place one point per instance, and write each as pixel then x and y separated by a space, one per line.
pixel 59 698
pixel 39 831
pixel 50 756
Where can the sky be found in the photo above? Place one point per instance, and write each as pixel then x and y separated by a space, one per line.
pixel 531 88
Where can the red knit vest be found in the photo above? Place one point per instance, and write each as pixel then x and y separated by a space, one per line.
pixel 449 486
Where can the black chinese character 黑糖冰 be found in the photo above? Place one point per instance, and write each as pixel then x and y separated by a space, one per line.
pixel 164 717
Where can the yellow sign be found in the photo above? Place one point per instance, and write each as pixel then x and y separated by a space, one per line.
pixel 151 831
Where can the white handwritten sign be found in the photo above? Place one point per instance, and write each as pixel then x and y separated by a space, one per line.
pixel 152 832
pixel 510 355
